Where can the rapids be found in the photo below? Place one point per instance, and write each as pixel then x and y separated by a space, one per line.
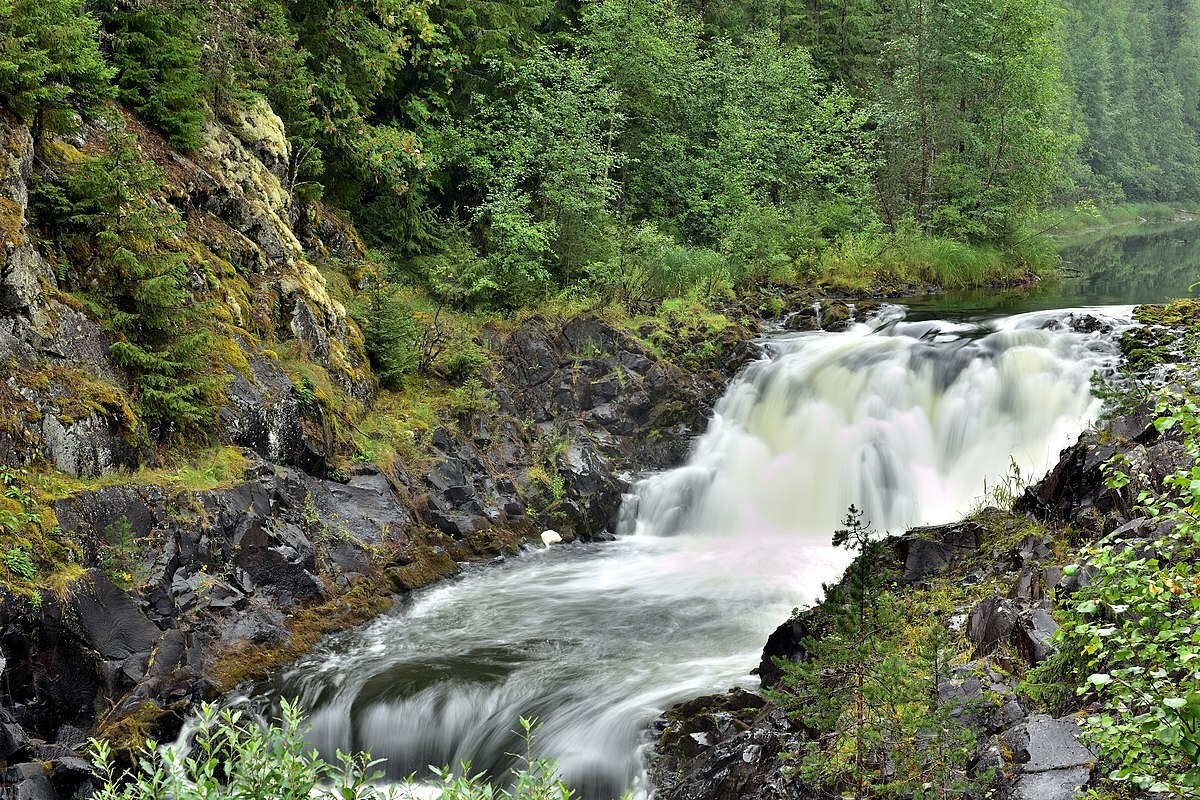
pixel 909 420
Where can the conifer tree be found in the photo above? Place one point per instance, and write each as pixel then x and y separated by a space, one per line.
pixel 122 254
pixel 850 686
pixel 158 56
pixel 50 61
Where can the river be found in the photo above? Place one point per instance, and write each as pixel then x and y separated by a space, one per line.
pixel 911 417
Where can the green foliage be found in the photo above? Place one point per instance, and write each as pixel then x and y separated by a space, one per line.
pixel 50 60
pixel 122 556
pixel 392 334
pixel 119 243
pixel 1133 627
pixel 1134 68
pixel 157 54
pixel 233 756
pixel 866 703
pixel 973 120
pixel 19 563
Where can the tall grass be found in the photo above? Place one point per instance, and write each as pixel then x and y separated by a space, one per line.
pixel 896 263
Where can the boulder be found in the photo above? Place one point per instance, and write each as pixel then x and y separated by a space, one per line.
pixel 992 622
pixel 926 552
pixel 1053 763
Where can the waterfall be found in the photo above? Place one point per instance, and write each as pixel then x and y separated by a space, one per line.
pixel 905 418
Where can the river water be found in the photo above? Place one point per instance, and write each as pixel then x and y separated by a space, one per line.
pixel 910 417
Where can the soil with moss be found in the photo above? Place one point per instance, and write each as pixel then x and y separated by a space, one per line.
pixel 992 582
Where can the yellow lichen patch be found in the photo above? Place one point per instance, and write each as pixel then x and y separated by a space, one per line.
pixel 12 224
pixel 59 150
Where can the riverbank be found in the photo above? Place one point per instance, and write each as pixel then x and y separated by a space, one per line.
pixel 964 682
pixel 148 564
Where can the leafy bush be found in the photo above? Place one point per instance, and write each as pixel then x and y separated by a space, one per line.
pixel 1134 626
pixel 233 757
pixel 650 267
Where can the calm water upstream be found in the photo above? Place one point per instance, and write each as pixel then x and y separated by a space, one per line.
pixel 906 418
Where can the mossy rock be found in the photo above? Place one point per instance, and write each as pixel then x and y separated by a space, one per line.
pixel 429 565
pixel 130 734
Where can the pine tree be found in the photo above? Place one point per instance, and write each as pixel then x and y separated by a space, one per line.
pixel 850 687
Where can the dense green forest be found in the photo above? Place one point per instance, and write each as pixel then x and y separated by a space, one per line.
pixel 500 153
pixel 503 151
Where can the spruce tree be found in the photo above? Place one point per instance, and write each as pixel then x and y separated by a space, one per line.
pixel 158 57
pixel 122 249
pixel 50 61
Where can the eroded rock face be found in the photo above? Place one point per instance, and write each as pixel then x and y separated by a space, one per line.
pixel 22 268
pixel 211 569
pixel 581 410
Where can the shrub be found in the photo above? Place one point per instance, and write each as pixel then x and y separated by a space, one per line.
pixel 1132 631
pixel 234 757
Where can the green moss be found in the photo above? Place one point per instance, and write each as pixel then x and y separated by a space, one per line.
pixel 239 662
pixel 231 353
pixel 428 565
pixel 129 734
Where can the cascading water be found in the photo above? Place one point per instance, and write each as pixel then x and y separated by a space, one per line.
pixel 905 419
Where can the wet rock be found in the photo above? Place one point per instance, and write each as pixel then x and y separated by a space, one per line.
pixel 722 746
pixel 835 315
pixel 264 415
pixel 1062 784
pixel 802 320
pixel 1053 762
pixel 12 736
pixel 992 622
pixel 783 643
pixel 926 552
pixel 111 623
pixel 87 448
pixel 1045 743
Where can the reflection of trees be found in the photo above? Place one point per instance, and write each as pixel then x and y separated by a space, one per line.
pixel 1144 266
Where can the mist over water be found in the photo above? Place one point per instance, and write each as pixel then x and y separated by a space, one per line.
pixel 905 419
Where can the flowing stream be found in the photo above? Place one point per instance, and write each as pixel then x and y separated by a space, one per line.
pixel 907 418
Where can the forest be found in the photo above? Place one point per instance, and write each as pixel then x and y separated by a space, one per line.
pixel 501 152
